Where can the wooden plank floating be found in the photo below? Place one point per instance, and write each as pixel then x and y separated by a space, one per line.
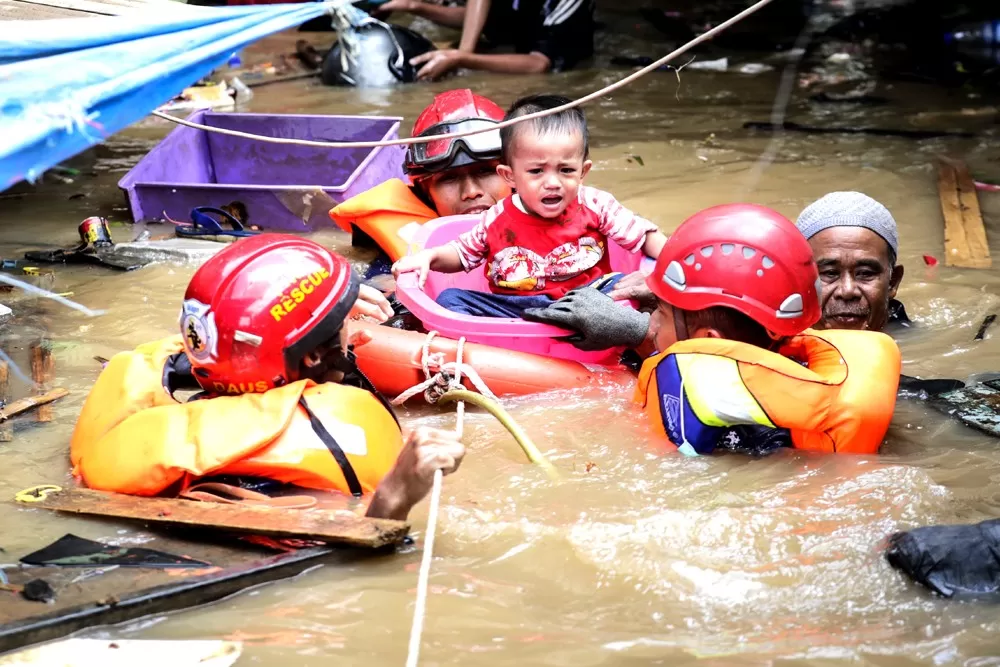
pixel 42 370
pixel 965 243
pixel 312 524
pixel 6 429
pixel 28 402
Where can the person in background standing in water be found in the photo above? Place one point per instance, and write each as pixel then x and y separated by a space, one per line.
pixel 451 177
pixel 546 35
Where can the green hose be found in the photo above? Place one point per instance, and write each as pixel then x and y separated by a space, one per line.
pixel 533 453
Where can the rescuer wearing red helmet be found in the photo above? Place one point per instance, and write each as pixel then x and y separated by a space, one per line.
pixel 747 259
pixel 448 177
pixel 265 342
pixel 737 290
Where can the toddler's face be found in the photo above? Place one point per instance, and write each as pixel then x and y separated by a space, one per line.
pixel 546 170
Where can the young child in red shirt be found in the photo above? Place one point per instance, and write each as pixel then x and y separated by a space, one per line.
pixel 548 238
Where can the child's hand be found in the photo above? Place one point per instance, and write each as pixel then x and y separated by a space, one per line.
pixel 420 262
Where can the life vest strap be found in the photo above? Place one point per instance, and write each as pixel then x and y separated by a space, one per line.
pixel 331 443
pixel 355 377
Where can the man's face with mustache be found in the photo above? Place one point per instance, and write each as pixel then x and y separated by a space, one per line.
pixel 857 276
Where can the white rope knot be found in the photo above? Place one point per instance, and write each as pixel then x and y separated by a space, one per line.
pixel 442 382
pixel 441 376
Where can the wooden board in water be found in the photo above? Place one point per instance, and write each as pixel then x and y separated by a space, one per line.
pixel 87 596
pixel 334 528
pixel 965 241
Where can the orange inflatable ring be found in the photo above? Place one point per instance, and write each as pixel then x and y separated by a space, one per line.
pixel 392 361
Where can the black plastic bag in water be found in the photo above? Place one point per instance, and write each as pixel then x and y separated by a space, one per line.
pixel 950 560
pixel 73 551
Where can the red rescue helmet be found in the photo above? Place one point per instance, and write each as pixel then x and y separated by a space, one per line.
pixel 745 257
pixel 454 111
pixel 253 311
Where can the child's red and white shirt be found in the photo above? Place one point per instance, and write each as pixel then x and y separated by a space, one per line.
pixel 529 255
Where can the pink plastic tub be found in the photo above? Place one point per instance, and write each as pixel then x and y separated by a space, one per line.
pixel 503 332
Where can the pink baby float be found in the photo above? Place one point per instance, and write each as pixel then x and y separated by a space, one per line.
pixel 502 332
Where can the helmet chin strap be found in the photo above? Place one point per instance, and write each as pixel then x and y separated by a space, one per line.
pixel 776 339
pixel 680 324
pixel 347 363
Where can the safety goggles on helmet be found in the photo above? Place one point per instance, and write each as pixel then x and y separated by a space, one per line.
pixel 437 155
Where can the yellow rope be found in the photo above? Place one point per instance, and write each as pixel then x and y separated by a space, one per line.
pixel 36 494
pixel 531 451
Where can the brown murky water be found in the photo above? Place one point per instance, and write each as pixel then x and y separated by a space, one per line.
pixel 645 559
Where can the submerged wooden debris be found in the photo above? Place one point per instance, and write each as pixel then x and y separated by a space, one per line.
pixel 335 528
pixel 6 429
pixel 87 595
pixel 965 242
pixel 29 402
pixel 42 369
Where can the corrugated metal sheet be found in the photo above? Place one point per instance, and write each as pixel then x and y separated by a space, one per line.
pixel 20 10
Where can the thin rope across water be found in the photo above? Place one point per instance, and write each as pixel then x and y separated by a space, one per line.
pixel 652 67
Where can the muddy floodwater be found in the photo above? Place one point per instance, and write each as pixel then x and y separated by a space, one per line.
pixel 634 556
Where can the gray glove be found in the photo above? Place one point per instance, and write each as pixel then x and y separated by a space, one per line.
pixel 600 321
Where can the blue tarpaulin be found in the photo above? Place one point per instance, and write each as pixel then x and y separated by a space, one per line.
pixel 69 84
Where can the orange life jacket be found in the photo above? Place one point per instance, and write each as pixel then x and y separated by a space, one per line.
pixel 840 401
pixel 382 212
pixel 133 437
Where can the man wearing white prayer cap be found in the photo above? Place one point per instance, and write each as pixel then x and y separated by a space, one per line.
pixel 854 241
pixel 855 245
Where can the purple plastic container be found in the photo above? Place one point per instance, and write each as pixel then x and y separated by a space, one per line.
pixel 284 187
